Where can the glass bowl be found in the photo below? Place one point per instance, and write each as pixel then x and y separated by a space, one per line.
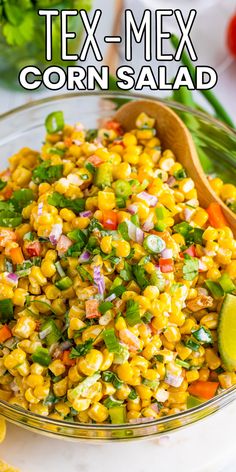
pixel 216 144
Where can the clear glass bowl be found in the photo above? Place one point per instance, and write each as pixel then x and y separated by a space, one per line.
pixel 217 146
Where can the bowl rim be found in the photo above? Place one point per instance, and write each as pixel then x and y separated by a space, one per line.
pixel 230 393
pixel 115 94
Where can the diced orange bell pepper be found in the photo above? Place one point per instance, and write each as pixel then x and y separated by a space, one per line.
pixel 5 333
pixel 203 389
pixel 216 216
pixel 67 360
pixel 16 255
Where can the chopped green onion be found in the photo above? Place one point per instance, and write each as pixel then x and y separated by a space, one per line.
pixel 160 226
pixel 161 213
pixel 135 220
pixel 122 188
pixel 2 184
pixel 6 310
pixel 123 230
pixel 59 269
pixel 82 349
pixel 203 335
pixel 54 122
pixel 111 402
pixel 111 377
pixel 146 318
pixel 226 283
pixel 132 312
pixel 41 356
pixel 90 168
pixel 121 356
pixel 104 307
pixel 84 274
pixel 117 290
pixel 192 345
pixel 184 364
pixel 133 394
pixel 111 340
pixel 215 288
pixel 153 244
pixel 180 174
pixel 54 334
pixel 64 283
pixel 118 414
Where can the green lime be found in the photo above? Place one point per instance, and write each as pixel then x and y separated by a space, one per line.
pixel 227 332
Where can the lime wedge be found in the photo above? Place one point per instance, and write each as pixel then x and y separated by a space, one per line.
pixel 227 332
pixel 2 430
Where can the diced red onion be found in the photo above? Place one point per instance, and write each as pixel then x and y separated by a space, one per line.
pixel 141 420
pixel 202 291
pixel 55 234
pixel 84 257
pixel 12 277
pixel 77 142
pixel 135 233
pixel 202 266
pixel 173 380
pixel 79 126
pixel 167 254
pixel 154 407
pixel 188 212
pixel 148 225
pixel 65 345
pixel 40 209
pixel 132 209
pixel 99 279
pixel 74 179
pixel 111 297
pixel 86 214
pixel 171 181
pixel 151 200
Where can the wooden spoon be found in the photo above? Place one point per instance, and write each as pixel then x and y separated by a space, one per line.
pixel 175 136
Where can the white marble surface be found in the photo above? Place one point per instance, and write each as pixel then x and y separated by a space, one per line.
pixel 206 447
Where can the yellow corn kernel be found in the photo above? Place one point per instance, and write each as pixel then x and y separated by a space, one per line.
pixel 120 324
pixel 172 334
pixel 29 395
pixel 228 191
pixel 210 234
pixel 48 268
pixel 187 326
pixel 108 358
pixel 106 245
pixel 19 296
pixel 226 380
pixel 81 404
pixel 132 414
pixel 212 360
pixel 24 327
pixel 5 291
pixel 42 410
pixel 231 269
pixel 224 256
pixel 210 320
pixel 60 388
pixel 216 184
pixel 183 351
pixel 106 200
pixel 98 412
pixel 21 176
pixel 200 217
pixel 51 292
pixel 144 392
pixel 192 375
pixel 41 391
pixel 122 248
pixel 14 359
pixel 161 370
pixel 134 404
pixel 57 367
pixel 24 369
pixel 125 372
pixel 108 388
pixel 123 392
pixel 74 375
pixel 33 380
pixel 37 276
pixel 67 215
pixel 151 292
pixel 91 363
pixel 178 397
pixel 51 255
pixel 36 368
pixel 62 409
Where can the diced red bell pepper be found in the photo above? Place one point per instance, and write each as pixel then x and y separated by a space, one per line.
pixel 91 308
pixel 34 248
pixel 109 219
pixel 67 360
pixel 166 265
pixel 95 160
pixel 5 333
pixel 191 251
pixel 114 125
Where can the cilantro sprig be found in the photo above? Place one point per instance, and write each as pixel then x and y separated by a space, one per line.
pixel 190 268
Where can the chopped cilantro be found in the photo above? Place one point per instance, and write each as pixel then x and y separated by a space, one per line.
pixel 81 349
pixel 190 268
pixel 46 172
pixel 60 201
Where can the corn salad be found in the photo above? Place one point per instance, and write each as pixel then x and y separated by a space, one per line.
pixel 112 278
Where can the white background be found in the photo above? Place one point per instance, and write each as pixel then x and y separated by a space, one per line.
pixel 205 448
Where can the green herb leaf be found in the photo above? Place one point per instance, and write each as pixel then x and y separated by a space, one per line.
pixel 46 172
pixel 190 268
pixel 123 230
pixel 140 276
pixel 132 312
pixel 2 184
pixel 59 201
pixel 81 349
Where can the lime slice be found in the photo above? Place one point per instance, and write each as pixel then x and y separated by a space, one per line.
pixel 2 429
pixel 227 332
